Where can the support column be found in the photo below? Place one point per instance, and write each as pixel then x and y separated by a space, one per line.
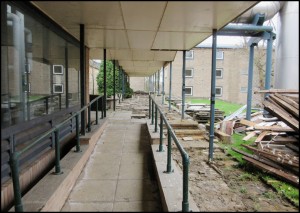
pixel 154 83
pixel 213 94
pixel 269 63
pixel 158 82
pixel 82 79
pixel 104 80
pixel 170 86
pixel 183 85
pixel 163 87
pixel 250 79
pixel 123 86
pixel 114 87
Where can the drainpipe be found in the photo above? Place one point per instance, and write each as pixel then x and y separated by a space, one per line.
pixel 247 27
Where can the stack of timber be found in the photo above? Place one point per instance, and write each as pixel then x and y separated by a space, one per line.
pixel 185 129
pixel 201 113
pixel 276 148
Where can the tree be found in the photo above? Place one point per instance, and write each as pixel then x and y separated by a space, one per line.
pixel 110 81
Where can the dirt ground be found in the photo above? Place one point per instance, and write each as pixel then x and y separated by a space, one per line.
pixel 223 186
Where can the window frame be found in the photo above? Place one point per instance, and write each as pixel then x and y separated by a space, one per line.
pixel 191 87
pixel 58 65
pixel 62 88
pixel 192 73
pixel 220 58
pixel 221 88
pixel 190 58
pixel 221 69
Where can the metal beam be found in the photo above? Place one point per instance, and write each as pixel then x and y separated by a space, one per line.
pixel 104 80
pixel 170 86
pixel 82 78
pixel 250 79
pixel 183 85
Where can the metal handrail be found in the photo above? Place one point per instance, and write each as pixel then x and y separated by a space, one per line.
pixel 184 154
pixel 14 157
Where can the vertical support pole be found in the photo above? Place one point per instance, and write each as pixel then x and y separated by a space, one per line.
pixel 170 86
pixel 155 128
pixel 158 82
pixel 250 79
pixel 152 114
pixel 183 85
pixel 67 74
pixel 82 78
pixel 114 82
pixel 102 104
pixel 123 85
pixel 57 153
pixel 163 86
pixel 268 64
pixel 161 134
pixel 104 80
pixel 149 105
pixel 97 105
pixel 213 94
pixel 89 118
pixel 14 165
pixel 47 105
pixel 154 83
pixel 77 134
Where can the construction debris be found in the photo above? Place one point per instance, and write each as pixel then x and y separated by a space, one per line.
pixel 201 113
pixel 276 148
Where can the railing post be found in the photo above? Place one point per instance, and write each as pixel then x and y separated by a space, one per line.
pixel 14 165
pixel 89 118
pixel 169 166
pixel 185 200
pixel 161 135
pixel 97 111
pixel 57 154
pixel 155 129
pixel 77 134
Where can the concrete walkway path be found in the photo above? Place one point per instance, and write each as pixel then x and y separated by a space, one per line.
pixel 119 175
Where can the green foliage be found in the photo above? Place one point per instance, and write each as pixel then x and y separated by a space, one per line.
pixel 109 81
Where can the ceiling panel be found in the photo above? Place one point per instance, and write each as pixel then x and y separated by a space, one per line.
pixel 142 31
pixel 142 15
pixel 141 39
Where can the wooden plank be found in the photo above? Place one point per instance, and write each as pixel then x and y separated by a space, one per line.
pixel 289 108
pixel 223 136
pixel 247 123
pixel 286 117
pixel 289 91
pixel 274 128
pixel 261 136
pixel 288 100
pixel 246 138
pixel 292 147
pixel 286 176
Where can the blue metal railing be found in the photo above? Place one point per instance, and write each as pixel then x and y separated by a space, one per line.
pixel 14 157
pixel 184 154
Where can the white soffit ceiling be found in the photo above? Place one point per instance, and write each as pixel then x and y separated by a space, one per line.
pixel 142 35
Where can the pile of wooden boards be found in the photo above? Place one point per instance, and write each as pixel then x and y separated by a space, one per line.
pixel 276 148
pixel 201 113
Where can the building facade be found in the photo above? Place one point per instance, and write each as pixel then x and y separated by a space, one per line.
pixel 231 74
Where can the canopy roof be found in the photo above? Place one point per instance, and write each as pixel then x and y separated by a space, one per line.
pixel 142 35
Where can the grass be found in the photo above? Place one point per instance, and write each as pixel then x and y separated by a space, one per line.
pixel 284 189
pixel 225 106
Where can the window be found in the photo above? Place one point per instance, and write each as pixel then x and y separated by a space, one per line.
pixel 220 55
pixel 58 88
pixel 189 54
pixel 189 73
pixel 219 91
pixel 58 69
pixel 219 73
pixel 244 89
pixel 189 90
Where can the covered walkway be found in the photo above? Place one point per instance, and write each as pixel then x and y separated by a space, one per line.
pixel 119 175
